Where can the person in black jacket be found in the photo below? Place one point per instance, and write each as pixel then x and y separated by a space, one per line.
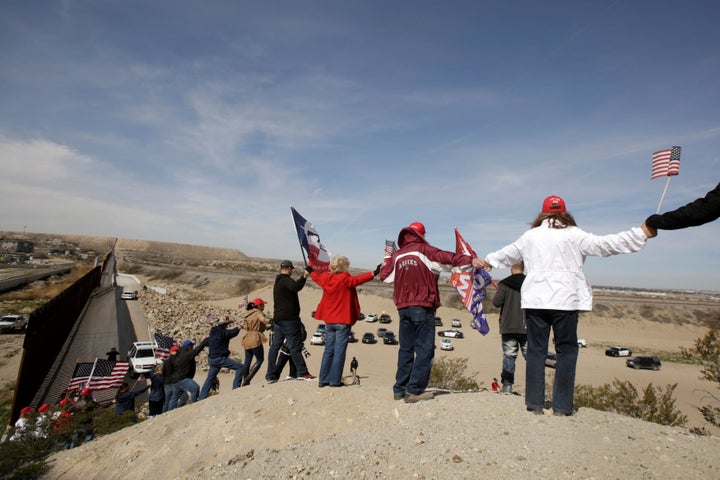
pixel 125 399
pixel 219 355
pixel 286 321
pixel 182 379
pixel 513 331
pixel 698 212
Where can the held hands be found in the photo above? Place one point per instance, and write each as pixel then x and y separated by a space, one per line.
pixel 376 272
pixel 480 263
pixel 649 231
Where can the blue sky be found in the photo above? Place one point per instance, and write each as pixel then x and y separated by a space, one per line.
pixel 203 122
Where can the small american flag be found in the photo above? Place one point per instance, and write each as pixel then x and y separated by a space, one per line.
pixel 98 375
pixel 163 346
pixel 390 248
pixel 666 163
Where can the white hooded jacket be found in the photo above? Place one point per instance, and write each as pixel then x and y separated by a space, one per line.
pixel 553 261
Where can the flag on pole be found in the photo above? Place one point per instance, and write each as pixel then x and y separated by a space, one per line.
pixel 316 255
pixel 98 375
pixel 390 248
pixel 666 163
pixel 243 302
pixel 163 346
pixel 471 285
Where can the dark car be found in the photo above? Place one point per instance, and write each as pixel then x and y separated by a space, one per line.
pixel 381 332
pixel 438 322
pixel 389 338
pixel 551 360
pixel 369 338
pixel 352 338
pixel 384 318
pixel 649 362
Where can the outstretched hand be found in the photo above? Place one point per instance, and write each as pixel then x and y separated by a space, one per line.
pixel 481 263
pixel 649 231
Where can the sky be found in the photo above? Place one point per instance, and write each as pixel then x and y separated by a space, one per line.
pixel 203 122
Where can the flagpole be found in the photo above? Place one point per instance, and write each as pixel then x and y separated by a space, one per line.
pixel 298 236
pixel 667 184
pixel 91 373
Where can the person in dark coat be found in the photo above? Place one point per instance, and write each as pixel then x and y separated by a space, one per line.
pixel 513 331
pixel 219 355
pixel 113 354
pixel 125 399
pixel 696 213
pixel 182 379
pixel 156 399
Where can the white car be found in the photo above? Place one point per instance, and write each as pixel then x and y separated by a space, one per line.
pixel 617 351
pixel 371 318
pixel 456 323
pixel 446 344
pixel 142 357
pixel 582 343
pixel 451 333
pixel 317 339
pixel 10 323
pixel 129 295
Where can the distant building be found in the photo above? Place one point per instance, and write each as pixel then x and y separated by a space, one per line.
pixel 16 246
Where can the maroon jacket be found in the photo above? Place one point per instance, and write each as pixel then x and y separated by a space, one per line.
pixel 415 269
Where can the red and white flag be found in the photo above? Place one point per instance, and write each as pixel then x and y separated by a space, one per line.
pixel 666 163
pixel 98 375
pixel 317 255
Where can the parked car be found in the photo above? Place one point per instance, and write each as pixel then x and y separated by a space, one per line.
pixel 372 317
pixel 317 339
pixel 142 357
pixel 451 333
pixel 13 323
pixel 352 338
pixel 438 322
pixel 456 323
pixel 617 351
pixel 582 342
pixel 369 338
pixel 551 360
pixel 650 362
pixel 129 295
pixel 446 344
pixel 381 332
pixel 322 328
pixel 389 338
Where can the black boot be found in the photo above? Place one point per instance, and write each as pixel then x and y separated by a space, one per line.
pixel 250 374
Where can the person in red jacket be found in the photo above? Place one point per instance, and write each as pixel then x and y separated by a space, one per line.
pixel 339 308
pixel 415 269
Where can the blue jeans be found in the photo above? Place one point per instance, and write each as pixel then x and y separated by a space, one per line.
pixel 182 388
pixel 511 344
pixel 417 350
pixel 169 392
pixel 292 330
pixel 564 327
pixel 333 360
pixel 217 363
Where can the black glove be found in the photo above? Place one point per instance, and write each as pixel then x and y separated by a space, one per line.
pixel 309 269
pixel 376 272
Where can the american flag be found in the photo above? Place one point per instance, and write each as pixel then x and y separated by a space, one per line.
pixel 390 248
pixel 98 375
pixel 163 346
pixel 666 163
pixel 471 285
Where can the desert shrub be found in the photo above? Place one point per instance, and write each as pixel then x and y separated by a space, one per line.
pixel 706 351
pixel 450 374
pixel 655 405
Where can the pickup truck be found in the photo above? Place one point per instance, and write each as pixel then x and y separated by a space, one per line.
pixel 142 357
pixel 9 323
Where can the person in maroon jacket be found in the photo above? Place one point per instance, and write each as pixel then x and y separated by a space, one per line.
pixel 339 308
pixel 414 269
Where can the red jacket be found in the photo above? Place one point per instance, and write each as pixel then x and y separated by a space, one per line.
pixel 415 269
pixel 339 302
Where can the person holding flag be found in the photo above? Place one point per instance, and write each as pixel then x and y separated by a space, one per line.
pixel 414 269
pixel 696 213
pixel 555 291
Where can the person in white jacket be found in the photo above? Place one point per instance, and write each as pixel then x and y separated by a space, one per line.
pixel 555 290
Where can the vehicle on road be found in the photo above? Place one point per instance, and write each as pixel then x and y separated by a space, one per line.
pixel 618 351
pixel 352 338
pixel 129 294
pixel 456 323
pixel 438 322
pixel 446 344
pixel 372 317
pixel 649 362
pixel 13 323
pixel 551 360
pixel 451 333
pixel 322 328
pixel 317 339
pixel 385 318
pixel 369 338
pixel 142 357
pixel 582 342
pixel 381 332
pixel 389 338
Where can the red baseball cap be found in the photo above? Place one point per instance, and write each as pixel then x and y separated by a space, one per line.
pixel 418 227
pixel 553 204
pixel 259 301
